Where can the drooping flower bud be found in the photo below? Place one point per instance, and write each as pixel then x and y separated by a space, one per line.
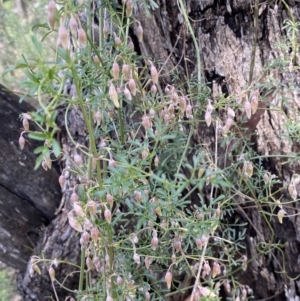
pixel 292 191
pixel 78 209
pixel 82 37
pixel 147 296
pixel 25 124
pixel 168 279
pixel 84 239
pixel 156 161
pixel 115 70
pixel 145 154
pixel 63 37
pixel 154 243
pixel 98 117
pixel 95 233
pixel 74 197
pixel 208 118
pixel 107 215
pixel 132 86
pixel 51 273
pixel 216 269
pixel 247 107
pixel 127 93
pixel 153 89
pixel 21 142
pixel 126 71
pixel 51 13
pixel 154 74
pixel 105 30
pixel 118 41
pixel 146 122
pixel 92 207
pixel 112 163
pixel 136 258
pixel 73 25
pixel 114 95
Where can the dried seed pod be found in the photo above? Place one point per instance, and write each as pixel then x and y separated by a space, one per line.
pixel 216 269
pixel 129 6
pixel 105 30
pixel 92 207
pixel 281 213
pixel 140 33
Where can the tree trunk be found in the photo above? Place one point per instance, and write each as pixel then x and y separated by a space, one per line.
pixel 225 32
pixel 28 198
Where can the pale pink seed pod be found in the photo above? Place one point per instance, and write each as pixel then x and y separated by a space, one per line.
pixel 109 298
pixel 145 154
pixel 126 70
pixel 206 268
pixel 129 6
pixel 266 178
pixel 63 37
pixel 95 233
pixel 78 160
pixel 61 180
pixel 228 123
pixel 98 117
pixel 84 239
pixel 73 25
pixel 171 109
pixel 82 37
pixel 109 199
pixel 115 70
pixel 51 273
pixel 216 269
pixel 131 45
pixel 230 113
pixel 127 94
pixel 168 279
pixel 52 7
pixel 204 239
pixel 112 163
pixel 207 118
pixel 244 293
pixel 153 90
pixel 107 215
pixel 92 207
pixel 154 243
pixel 21 142
pixel 148 262
pixel 167 119
pixel 140 33
pixel 138 196
pixel 78 209
pixel 118 41
pixel 136 258
pixel 188 110
pixel 152 113
pixel 89 263
pixel 74 197
pixel 146 122
pixel 119 280
pixel 182 103
pixel 25 124
pixel 247 107
pixel 199 243
pixel 147 296
pixel 174 97
pixel 156 161
pixel 132 86
pixel 154 74
pixel 114 95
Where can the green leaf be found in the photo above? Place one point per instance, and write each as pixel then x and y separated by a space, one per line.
pixel 37 136
pixel 39 150
pixel 56 148
pixel 37 44
pixel 38 161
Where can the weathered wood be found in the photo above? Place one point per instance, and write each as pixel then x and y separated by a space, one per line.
pixel 28 198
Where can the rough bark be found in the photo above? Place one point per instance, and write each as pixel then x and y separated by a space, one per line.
pixel 28 198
